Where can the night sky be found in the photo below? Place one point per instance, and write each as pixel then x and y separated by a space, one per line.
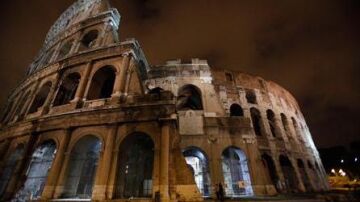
pixel 311 48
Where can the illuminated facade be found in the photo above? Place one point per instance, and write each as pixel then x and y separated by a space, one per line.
pixel 92 120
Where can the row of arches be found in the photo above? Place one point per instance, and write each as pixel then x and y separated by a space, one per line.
pixel 133 178
pixel 234 165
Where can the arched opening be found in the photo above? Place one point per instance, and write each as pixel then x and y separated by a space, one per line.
pixel 37 172
pixel 303 174
pixel 47 58
pixel 67 90
pixel 236 173
pixel 135 167
pixel 270 170
pixel 8 169
pixel 236 110
pixel 287 168
pixel 271 119
pixel 198 162
pixel 250 96
pixel 256 121
pixel 102 83
pixel 189 97
pixel 82 167
pixel 22 105
pixel 156 91
pixel 65 49
pixel 40 97
pixel 295 125
pixel 285 122
pixel 89 40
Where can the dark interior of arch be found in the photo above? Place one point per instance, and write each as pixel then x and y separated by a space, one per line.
pixel 284 122
pixel 236 110
pixel 290 178
pixel 102 83
pixel 304 175
pixel 9 167
pixel 250 96
pixel 189 97
pixel 81 170
pixel 21 106
pixel 256 119
pixel 198 164
pixel 271 119
pixel 40 97
pixel 270 167
pixel 89 39
pixel 65 49
pixel 67 89
pixel 135 167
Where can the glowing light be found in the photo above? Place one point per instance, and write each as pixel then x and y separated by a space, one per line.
pixel 333 171
pixel 342 161
pixel 356 159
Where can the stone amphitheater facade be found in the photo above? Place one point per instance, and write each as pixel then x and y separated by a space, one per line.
pixel 93 120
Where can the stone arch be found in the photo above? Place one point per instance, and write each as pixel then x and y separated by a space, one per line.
pixel 37 172
pixel 65 49
pixel 256 121
pixel 82 168
pixel 102 83
pixel 295 125
pixel 40 97
pixel 21 106
pixel 236 110
pixel 9 167
pixel 89 40
pixel 236 172
pixel 134 176
pixel 189 97
pixel 250 96
pixel 284 122
pixel 67 89
pixel 198 161
pixel 271 120
pixel 290 178
pixel 304 176
pixel 270 169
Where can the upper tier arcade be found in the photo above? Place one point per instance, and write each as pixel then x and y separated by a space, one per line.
pixel 75 22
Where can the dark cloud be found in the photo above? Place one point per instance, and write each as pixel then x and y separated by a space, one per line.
pixel 309 47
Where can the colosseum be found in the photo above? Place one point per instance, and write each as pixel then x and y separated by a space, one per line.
pixel 93 120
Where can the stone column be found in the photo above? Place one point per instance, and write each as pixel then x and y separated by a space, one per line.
pixel 164 161
pixel 120 79
pixel 50 98
pixel 279 172
pixel 83 83
pixel 103 170
pixel 55 170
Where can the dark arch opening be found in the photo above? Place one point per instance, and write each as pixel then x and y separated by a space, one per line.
pixel 250 96
pixel 135 167
pixel 81 171
pixel 197 160
pixel 40 97
pixel 37 171
pixel 290 178
pixel 304 175
pixel 65 49
pixel 21 107
pixel 236 110
pixel 89 39
pixel 256 121
pixel 271 119
pixel 285 122
pixel 8 169
pixel 271 170
pixel 236 173
pixel 102 83
pixel 189 97
pixel 67 90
